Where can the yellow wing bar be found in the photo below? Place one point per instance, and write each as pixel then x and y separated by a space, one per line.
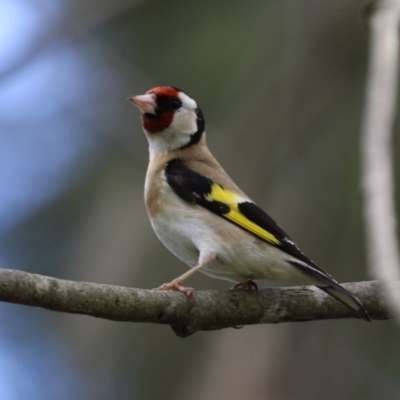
pixel 232 200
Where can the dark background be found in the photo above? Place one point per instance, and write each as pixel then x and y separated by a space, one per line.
pixel 281 85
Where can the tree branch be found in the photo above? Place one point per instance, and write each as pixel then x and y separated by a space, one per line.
pixel 376 143
pixel 209 310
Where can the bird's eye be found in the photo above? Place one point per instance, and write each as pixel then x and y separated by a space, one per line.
pixel 167 103
pixel 175 104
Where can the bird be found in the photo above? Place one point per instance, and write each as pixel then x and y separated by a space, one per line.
pixel 204 218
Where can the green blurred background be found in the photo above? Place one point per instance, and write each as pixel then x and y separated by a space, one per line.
pixel 281 84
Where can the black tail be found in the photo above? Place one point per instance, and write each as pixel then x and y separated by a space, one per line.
pixel 335 290
pixel 347 298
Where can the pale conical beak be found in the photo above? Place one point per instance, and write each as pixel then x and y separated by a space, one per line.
pixel 145 102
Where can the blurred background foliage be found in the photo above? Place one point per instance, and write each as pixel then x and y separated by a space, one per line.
pixel 281 85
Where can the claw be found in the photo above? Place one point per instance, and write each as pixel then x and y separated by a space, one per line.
pixel 176 286
pixel 247 285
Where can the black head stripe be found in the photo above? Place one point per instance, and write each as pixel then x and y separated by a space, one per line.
pixel 201 126
pixel 167 104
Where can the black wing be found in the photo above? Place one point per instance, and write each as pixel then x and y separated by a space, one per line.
pixel 198 189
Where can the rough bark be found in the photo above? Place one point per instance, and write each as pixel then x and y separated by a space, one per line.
pixel 209 310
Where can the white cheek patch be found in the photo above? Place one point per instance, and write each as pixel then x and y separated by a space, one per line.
pixel 184 122
pixel 171 139
pixel 178 134
pixel 187 102
pixel 185 119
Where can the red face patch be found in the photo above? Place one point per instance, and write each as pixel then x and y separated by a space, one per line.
pixel 164 91
pixel 157 123
pixel 164 113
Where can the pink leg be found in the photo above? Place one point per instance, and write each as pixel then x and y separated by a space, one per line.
pixel 176 284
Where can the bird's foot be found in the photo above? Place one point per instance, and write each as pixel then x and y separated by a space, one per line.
pixel 176 286
pixel 246 285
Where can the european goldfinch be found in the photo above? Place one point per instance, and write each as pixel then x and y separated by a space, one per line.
pixel 202 217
